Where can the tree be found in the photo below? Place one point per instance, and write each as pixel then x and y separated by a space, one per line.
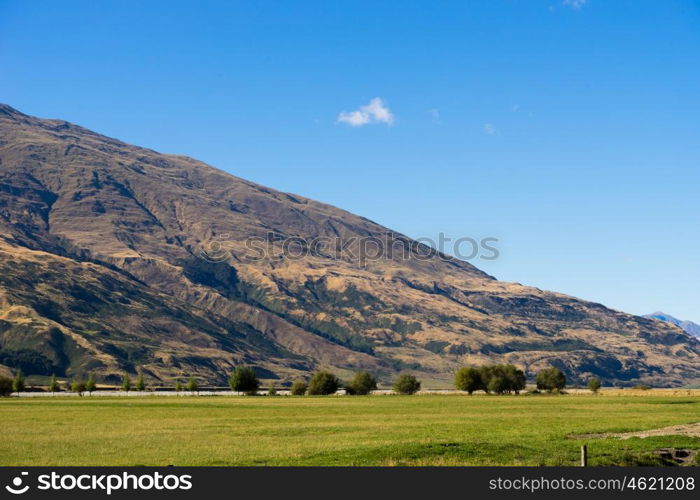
pixel 178 386
pixel 18 383
pixel 515 378
pixel 406 384
pixel 323 383
pixel 5 387
pixel 53 384
pixel 498 383
pixel 272 391
pixel 468 379
pixel 486 373
pixel 551 379
pixel 192 385
pixel 78 386
pixel 361 384
pixel 140 382
pixel 243 379
pixel 499 379
pixel 594 385
pixel 126 383
pixel 299 388
pixel 90 385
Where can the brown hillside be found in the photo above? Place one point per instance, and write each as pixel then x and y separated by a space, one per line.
pixel 114 257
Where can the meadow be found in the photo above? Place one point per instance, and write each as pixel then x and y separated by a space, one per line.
pixel 335 430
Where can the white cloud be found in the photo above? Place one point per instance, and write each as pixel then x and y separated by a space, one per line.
pixel 374 112
pixel 575 4
pixel 489 128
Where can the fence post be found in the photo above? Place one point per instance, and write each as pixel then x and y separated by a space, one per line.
pixel 584 455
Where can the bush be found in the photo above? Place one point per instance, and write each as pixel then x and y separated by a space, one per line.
pixel 323 383
pixel 90 385
pixel 642 387
pixel 178 386
pixel 18 383
pixel 299 388
pixel 406 384
pixel 551 379
pixel 272 391
pixel 5 387
pixel 243 379
pixel 362 384
pixel 594 385
pixel 78 386
pixel 468 379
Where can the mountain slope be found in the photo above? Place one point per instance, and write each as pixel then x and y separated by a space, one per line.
pixel 687 326
pixel 117 257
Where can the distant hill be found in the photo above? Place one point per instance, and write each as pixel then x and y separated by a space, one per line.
pixel 688 326
pixel 117 258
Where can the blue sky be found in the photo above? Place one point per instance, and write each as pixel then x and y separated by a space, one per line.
pixel 568 130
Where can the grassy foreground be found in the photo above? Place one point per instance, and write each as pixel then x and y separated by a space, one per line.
pixel 363 430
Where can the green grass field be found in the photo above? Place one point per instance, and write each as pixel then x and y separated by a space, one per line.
pixel 369 430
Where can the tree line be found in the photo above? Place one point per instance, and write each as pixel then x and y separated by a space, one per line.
pixel 322 383
pixel 506 379
pixel 491 379
pixel 242 379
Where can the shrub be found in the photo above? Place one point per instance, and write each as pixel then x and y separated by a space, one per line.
pixel 78 386
pixel 192 385
pixel 642 387
pixel 5 387
pixel 299 388
pixel 551 379
pixel 18 383
pixel 272 391
pixel 406 384
pixel 243 379
pixel 126 383
pixel 53 384
pixel 323 383
pixel 90 385
pixel 178 386
pixel 594 385
pixel 468 379
pixel 361 384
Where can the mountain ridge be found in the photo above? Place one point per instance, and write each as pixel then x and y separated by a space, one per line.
pixel 687 326
pixel 172 234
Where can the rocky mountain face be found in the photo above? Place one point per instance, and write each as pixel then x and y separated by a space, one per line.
pixel 687 326
pixel 115 258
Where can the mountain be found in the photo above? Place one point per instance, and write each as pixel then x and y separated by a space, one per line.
pixel 115 258
pixel 688 326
